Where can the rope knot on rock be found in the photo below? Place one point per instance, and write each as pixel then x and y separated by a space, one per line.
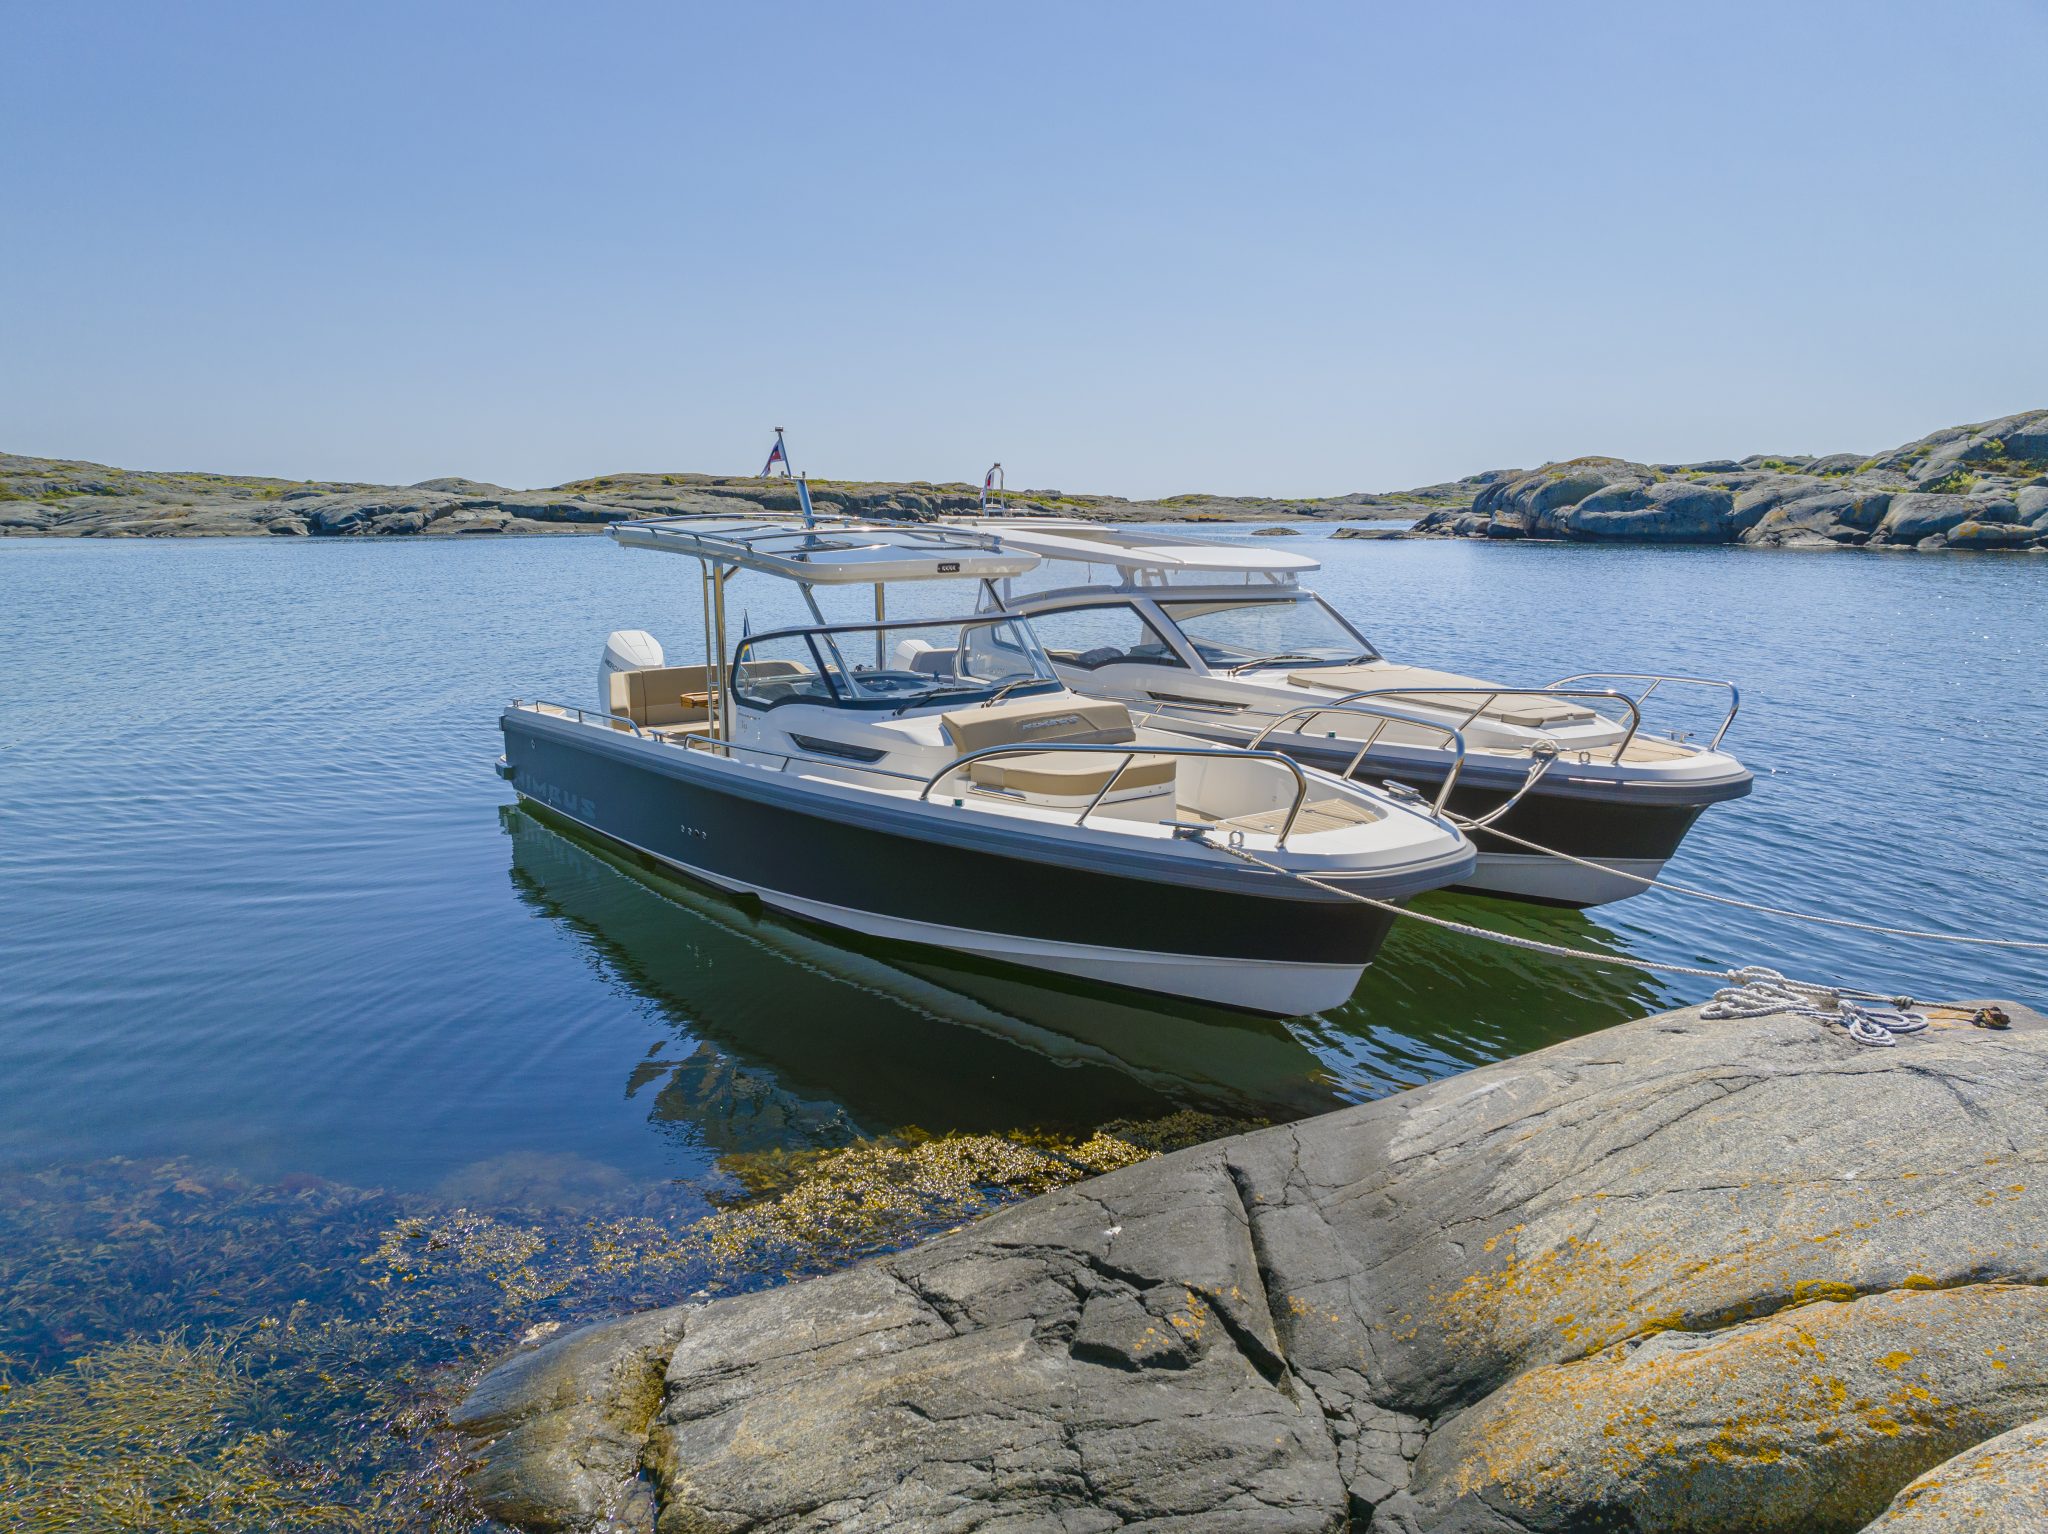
pixel 1762 992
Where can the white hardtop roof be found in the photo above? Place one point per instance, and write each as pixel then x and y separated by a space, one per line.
pixel 832 552
pixel 1141 548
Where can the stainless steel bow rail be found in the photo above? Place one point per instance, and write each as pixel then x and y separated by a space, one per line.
pixel 1416 697
pixel 1130 754
pixel 1454 740
pixel 1544 753
pixel 1655 680
pixel 583 715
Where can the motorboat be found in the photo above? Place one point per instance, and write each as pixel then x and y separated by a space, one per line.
pixel 935 781
pixel 1225 643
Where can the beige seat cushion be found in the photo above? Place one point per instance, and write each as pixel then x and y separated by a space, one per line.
pixel 656 695
pixel 1071 774
pixel 1030 720
pixel 1531 710
pixel 665 695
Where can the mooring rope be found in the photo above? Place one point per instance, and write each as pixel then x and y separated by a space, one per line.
pixel 1750 905
pixel 1760 992
pixel 1752 991
pixel 1537 768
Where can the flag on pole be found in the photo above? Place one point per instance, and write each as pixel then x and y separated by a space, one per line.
pixel 988 482
pixel 776 454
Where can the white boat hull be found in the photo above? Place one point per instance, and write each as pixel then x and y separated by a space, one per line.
pixel 1535 876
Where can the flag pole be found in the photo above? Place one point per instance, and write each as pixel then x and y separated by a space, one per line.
pixel 779 452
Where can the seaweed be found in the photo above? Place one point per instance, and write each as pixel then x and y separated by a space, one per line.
pixel 189 1350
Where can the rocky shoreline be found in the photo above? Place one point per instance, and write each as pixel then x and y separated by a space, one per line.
pixel 49 498
pixel 1981 487
pixel 1675 1275
pixel 1968 487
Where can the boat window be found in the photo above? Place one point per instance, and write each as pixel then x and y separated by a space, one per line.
pixel 897 665
pixel 1237 635
pixel 779 669
pixel 1093 637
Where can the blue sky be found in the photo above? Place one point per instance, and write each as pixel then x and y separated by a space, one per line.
pixel 1273 247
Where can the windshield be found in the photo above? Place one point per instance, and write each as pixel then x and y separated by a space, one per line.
pixel 896 666
pixel 1235 635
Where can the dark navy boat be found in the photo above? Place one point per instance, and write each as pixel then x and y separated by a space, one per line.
pixel 935 781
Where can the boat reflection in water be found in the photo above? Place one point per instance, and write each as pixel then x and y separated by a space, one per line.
pixel 794 1037
pixel 787 1036
pixel 1438 1002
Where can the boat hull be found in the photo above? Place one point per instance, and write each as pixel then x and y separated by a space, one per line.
pixel 1225 933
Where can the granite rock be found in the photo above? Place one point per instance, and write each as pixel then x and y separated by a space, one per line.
pixel 1670 511
pixel 1834 517
pixel 1998 1487
pixel 1806 1419
pixel 1915 496
pixel 1524 1298
pixel 567 1421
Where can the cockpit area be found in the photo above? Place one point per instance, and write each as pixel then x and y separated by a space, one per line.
pixel 891 666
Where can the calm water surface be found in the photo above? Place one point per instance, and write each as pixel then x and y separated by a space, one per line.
pixel 267 906
pixel 327 1074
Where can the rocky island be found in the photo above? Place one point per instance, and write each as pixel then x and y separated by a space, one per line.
pixel 53 498
pixel 1966 487
pixel 1678 1275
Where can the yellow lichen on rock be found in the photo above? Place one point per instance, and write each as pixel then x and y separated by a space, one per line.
pixel 1997 1487
pixel 1685 1431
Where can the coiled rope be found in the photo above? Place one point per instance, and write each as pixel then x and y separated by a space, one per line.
pixel 1752 990
pixel 1760 992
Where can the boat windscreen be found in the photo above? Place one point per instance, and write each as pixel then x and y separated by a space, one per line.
pixel 896 666
pixel 1238 635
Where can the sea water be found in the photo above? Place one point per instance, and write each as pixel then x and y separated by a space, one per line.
pixel 327 1074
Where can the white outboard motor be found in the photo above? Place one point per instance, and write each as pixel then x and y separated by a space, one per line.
pixel 624 650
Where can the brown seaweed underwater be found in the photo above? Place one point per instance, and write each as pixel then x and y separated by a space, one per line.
pixel 197 1353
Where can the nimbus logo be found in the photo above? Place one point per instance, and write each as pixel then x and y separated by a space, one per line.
pixel 1046 724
